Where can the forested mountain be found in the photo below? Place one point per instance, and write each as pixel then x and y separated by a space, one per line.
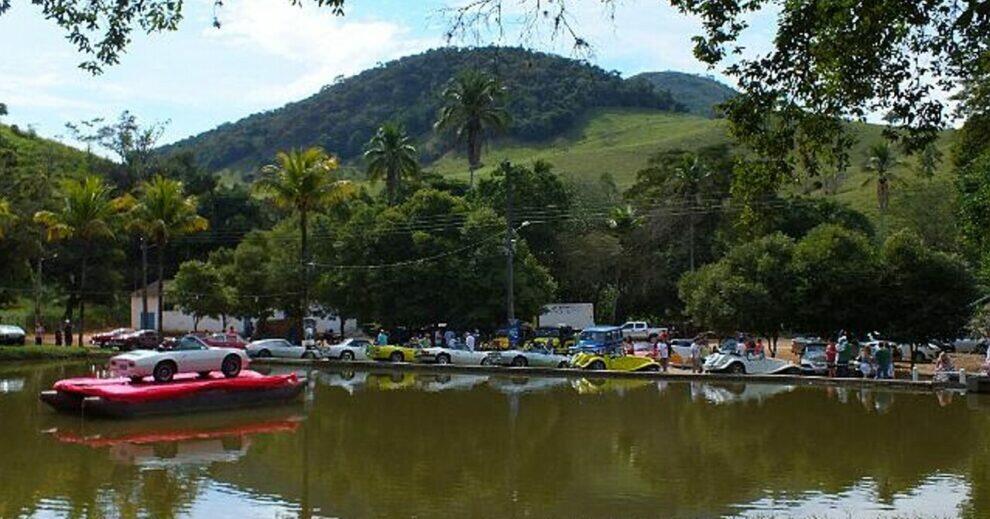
pixel 698 94
pixel 547 94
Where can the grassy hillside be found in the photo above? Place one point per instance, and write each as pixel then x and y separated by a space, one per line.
pixel 620 142
pixel 35 153
pixel 698 94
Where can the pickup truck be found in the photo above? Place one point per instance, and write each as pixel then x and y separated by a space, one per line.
pixel 640 330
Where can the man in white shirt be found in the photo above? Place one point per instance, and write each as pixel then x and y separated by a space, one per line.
pixel 696 356
pixel 469 340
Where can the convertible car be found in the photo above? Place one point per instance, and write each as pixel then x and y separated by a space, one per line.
pixel 189 355
pixel 458 353
pixel 616 360
pixel 731 358
pixel 280 348
pixel 536 357
pixel 392 353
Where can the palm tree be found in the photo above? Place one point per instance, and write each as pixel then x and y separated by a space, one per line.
pixel 303 181
pixel 162 213
pixel 880 161
pixel 472 107
pixel 6 216
pixel 690 178
pixel 88 213
pixel 392 155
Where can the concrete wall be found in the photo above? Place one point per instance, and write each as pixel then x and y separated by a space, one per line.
pixel 176 321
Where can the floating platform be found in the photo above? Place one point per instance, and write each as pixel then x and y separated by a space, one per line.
pixel 188 393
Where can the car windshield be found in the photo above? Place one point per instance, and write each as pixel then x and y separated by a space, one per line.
pixel 189 343
pixel 814 352
pixel 546 332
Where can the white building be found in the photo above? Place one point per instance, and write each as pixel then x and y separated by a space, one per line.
pixel 176 321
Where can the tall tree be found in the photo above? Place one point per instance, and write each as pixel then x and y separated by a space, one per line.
pixel 88 212
pixel 163 212
pixel 880 162
pixel 303 181
pixel 473 108
pixel 391 155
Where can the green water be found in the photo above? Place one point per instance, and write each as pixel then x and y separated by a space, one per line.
pixel 415 445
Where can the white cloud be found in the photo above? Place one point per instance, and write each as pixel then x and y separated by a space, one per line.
pixel 320 45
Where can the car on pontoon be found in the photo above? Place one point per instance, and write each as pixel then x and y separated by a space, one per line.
pixel 732 358
pixel 189 355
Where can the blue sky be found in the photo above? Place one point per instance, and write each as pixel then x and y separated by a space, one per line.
pixel 268 53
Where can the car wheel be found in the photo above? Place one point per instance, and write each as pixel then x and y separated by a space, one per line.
pixel 443 359
pixel 264 354
pixel 791 371
pixel 204 374
pixel 486 362
pixel 347 355
pixel 982 348
pixel 737 369
pixel 597 365
pixel 520 362
pixel 164 371
pixel 562 365
pixel 309 355
pixel 231 366
pixel 653 368
pixel 396 356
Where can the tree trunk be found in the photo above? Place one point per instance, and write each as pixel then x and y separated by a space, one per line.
pixel 161 287
pixel 304 256
pixel 82 298
pixel 391 179
pixel 195 323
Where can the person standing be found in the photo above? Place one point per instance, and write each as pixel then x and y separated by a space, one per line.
pixel 664 351
pixel 884 360
pixel 696 355
pixel 68 332
pixel 58 335
pixel 469 340
pixel 831 356
pixel 39 331
pixel 382 339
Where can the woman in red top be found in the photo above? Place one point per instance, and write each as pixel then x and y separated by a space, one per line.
pixel 831 355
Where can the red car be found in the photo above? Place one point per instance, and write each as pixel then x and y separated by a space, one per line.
pixel 223 340
pixel 104 339
pixel 139 340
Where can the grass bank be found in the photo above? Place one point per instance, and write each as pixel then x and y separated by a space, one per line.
pixel 31 352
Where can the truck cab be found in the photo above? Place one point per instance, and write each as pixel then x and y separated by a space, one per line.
pixel 599 339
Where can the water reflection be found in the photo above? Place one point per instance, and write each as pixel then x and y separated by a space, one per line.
pixel 401 444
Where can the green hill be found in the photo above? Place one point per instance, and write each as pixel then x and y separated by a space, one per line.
pixel 547 95
pixel 698 94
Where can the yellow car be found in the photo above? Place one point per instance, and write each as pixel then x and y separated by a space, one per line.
pixel 613 362
pixel 392 353
pixel 597 386
pixel 557 338
pixel 391 381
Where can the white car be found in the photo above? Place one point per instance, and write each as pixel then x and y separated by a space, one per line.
pixel 535 357
pixel 190 355
pixel 458 353
pixel 279 348
pixel 970 345
pixel 350 349
pixel 731 359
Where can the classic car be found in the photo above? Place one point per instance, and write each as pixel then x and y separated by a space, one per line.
pixel 392 353
pixel 190 355
pixel 456 353
pixel 12 335
pixel 349 349
pixel 813 358
pixel 139 340
pixel 104 339
pixel 731 358
pixel 613 360
pixel 280 348
pixel 536 357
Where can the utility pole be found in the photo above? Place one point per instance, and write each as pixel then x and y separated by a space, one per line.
pixel 509 249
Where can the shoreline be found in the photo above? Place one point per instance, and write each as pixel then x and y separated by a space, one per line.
pixel 51 352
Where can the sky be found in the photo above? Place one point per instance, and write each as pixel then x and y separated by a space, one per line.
pixel 267 53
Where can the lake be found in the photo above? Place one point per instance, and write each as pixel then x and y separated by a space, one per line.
pixel 401 444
